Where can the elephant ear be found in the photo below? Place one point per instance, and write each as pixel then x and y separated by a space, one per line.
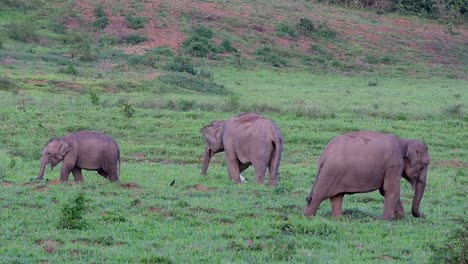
pixel 413 152
pixel 64 148
pixel 213 134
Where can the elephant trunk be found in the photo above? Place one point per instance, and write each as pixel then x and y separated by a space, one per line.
pixel 418 193
pixel 206 160
pixel 44 162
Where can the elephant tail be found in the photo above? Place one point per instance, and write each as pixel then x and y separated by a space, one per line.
pixel 278 144
pixel 118 168
pixel 319 168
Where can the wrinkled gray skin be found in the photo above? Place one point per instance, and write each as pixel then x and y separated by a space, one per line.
pixel 247 139
pixel 366 161
pixel 86 150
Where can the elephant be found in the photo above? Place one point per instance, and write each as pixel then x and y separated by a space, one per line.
pixel 88 150
pixel 247 139
pixel 365 161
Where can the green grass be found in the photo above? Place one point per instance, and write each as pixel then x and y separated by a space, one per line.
pixel 144 219
pixel 156 115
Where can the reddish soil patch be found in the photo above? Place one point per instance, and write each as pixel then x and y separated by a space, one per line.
pixel 160 211
pixel 450 163
pixel 36 82
pixel 201 187
pixel 131 186
pixel 50 246
pixel 139 156
pixel 41 189
pixel 205 210
pixel 7 183
pixel 69 85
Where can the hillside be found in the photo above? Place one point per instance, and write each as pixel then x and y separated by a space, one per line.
pixel 281 34
pixel 152 74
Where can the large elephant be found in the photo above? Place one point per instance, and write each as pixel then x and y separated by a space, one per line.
pixel 86 150
pixel 247 139
pixel 366 161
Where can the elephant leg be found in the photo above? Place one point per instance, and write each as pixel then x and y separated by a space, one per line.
pixel 103 173
pixel 260 169
pixel 77 174
pixel 233 167
pixel 391 189
pixel 273 173
pixel 65 172
pixel 399 212
pixel 337 205
pixel 112 174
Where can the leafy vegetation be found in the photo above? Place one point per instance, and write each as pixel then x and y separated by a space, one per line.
pixel 337 75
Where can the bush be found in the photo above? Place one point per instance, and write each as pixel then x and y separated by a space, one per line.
pixel 7 84
pixel 133 39
pixel 193 83
pixel 155 58
pixel 72 214
pixel 181 64
pixel 101 19
pixel 23 5
pixel 283 29
pixel 24 31
pixel 136 22
pixel 226 46
pixel 199 43
pixel 69 69
pixel 271 56
pixel 305 26
pixel 81 46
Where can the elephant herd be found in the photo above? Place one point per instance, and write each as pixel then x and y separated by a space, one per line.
pixel 357 162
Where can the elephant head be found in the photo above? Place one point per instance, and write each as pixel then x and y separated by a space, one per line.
pixel 415 171
pixel 53 153
pixel 213 134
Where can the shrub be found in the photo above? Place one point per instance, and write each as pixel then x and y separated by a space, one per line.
pixel 24 31
pixel 101 19
pixel 283 29
pixel 7 84
pixel 325 32
pixel 133 39
pixel 305 26
pixel 271 56
pixel 81 46
pixel 136 22
pixel 106 40
pixel 199 43
pixel 94 97
pixel 155 58
pixel 226 46
pixel 181 64
pixel 23 5
pixel 193 83
pixel 127 109
pixel 69 69
pixel 72 214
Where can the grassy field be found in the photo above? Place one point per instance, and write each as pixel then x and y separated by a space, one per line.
pixel 62 72
pixel 209 219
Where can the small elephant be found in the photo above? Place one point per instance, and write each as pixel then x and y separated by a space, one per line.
pixel 86 150
pixel 247 139
pixel 365 161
